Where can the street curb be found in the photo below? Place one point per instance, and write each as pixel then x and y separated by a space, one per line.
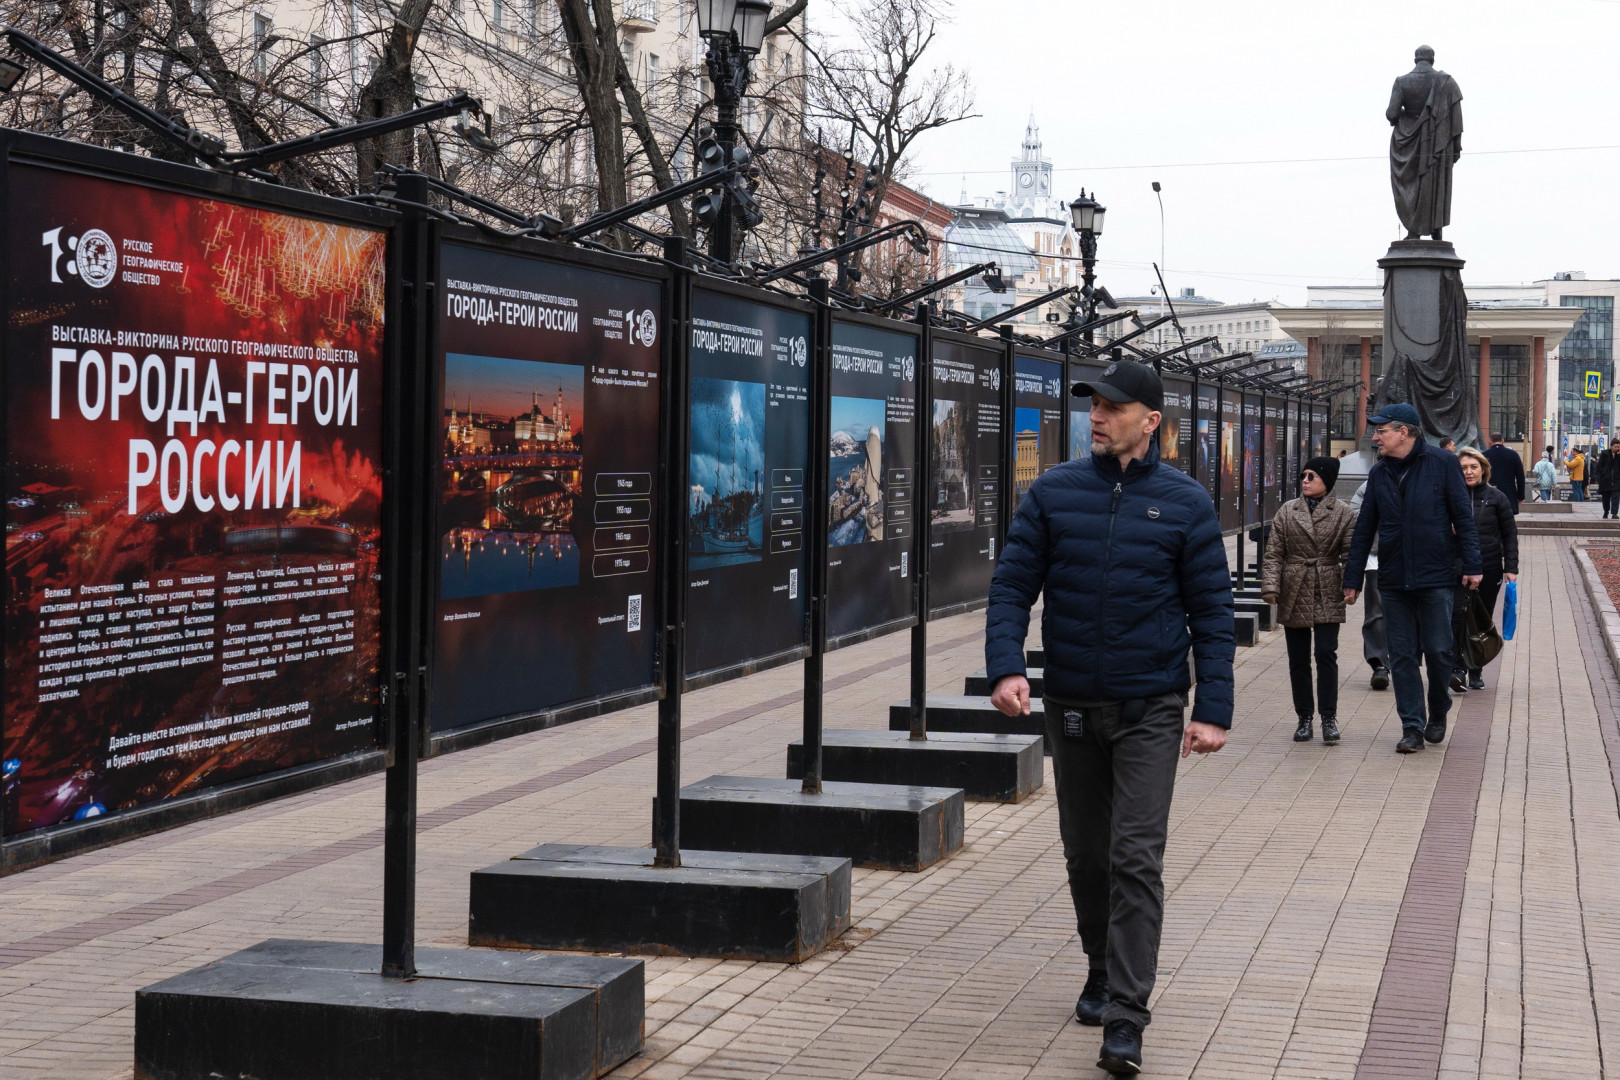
pixel 1602 606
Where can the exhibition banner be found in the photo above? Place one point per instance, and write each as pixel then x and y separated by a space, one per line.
pixel 194 407
pixel 872 482
pixel 1319 429
pixel 1207 426
pixel 1037 419
pixel 1080 411
pixel 967 471
pixel 1277 478
pixel 745 513
pixel 548 427
pixel 1291 449
pixel 1175 430
pixel 1231 464
pixel 1254 452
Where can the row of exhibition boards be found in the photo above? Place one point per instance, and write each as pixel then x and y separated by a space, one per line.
pixel 211 449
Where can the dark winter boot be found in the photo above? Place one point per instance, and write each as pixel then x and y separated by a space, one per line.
pixel 1330 730
pixel 1303 732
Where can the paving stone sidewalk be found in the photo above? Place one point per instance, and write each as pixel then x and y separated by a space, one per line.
pixel 1290 871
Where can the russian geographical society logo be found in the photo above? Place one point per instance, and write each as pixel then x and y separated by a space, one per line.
pixel 909 364
pixel 995 378
pixel 94 261
pixel 800 349
pixel 643 327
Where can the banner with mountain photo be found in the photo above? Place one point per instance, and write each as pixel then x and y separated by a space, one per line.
pixel 872 483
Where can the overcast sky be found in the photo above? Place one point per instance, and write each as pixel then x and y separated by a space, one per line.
pixel 1125 95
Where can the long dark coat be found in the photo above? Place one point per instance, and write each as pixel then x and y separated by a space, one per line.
pixel 1304 566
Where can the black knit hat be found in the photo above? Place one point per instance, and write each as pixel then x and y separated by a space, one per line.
pixel 1325 467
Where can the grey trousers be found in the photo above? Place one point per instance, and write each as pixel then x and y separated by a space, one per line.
pixel 1374 644
pixel 1114 783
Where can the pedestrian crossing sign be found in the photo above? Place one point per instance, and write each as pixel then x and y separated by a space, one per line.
pixel 1594 384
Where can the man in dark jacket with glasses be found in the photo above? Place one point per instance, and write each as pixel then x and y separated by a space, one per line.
pixel 1130 556
pixel 1417 506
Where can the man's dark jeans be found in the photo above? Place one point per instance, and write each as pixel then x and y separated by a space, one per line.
pixel 1374 644
pixel 1418 623
pixel 1114 783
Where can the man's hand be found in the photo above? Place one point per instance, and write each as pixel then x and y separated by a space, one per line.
pixel 1350 596
pixel 1011 695
pixel 1472 580
pixel 1202 738
pixel 1510 577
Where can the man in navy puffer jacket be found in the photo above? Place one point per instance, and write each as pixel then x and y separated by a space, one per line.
pixel 1130 557
pixel 1417 506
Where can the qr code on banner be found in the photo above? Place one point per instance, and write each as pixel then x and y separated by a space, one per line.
pixel 904 562
pixel 633 623
pixel 793 584
pixel 992 550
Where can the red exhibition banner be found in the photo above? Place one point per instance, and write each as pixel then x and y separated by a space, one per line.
pixel 193 493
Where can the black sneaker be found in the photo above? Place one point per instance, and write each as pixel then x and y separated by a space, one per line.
pixel 1476 681
pixel 1380 678
pixel 1093 1000
pixel 1436 731
pixel 1303 732
pixel 1121 1048
pixel 1411 742
pixel 1330 731
pixel 1459 682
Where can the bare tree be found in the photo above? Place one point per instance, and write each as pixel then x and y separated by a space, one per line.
pixel 882 95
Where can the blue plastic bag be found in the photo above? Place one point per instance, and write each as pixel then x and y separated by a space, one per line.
pixel 1510 610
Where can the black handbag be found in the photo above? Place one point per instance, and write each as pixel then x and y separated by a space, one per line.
pixel 1482 642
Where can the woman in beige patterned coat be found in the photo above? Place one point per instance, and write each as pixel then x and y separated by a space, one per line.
pixel 1304 576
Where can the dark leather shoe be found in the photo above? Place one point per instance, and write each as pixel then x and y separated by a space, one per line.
pixel 1459 682
pixel 1476 681
pixel 1411 742
pixel 1303 732
pixel 1380 678
pixel 1121 1048
pixel 1436 731
pixel 1093 1000
pixel 1330 731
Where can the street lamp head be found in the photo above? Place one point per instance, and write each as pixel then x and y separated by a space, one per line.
pixel 1086 214
pixel 714 17
pixel 10 72
pixel 749 24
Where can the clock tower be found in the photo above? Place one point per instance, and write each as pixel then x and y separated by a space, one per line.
pixel 1032 173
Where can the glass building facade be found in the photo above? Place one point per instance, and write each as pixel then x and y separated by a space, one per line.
pixel 1589 348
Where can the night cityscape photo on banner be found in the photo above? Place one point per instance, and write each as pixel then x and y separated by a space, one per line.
pixel 549 422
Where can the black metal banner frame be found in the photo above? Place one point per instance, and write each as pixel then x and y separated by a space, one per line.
pixel 477 734
pixel 24 850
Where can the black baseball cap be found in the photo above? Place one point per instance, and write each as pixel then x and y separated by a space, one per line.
pixel 1125 380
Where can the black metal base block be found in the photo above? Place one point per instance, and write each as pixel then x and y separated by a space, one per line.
pixel 950 712
pixel 290 1010
pixel 1003 768
pixel 1264 612
pixel 884 826
pixel 1246 626
pixel 1035 658
pixel 738 905
pixel 978 685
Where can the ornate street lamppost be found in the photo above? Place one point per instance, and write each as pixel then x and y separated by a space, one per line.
pixel 734 31
pixel 1086 214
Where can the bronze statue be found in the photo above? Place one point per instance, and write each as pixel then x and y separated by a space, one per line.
pixel 1425 109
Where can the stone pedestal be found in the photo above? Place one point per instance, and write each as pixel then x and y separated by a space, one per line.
pixel 1426 361
pixel 289 1010
pixel 1001 768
